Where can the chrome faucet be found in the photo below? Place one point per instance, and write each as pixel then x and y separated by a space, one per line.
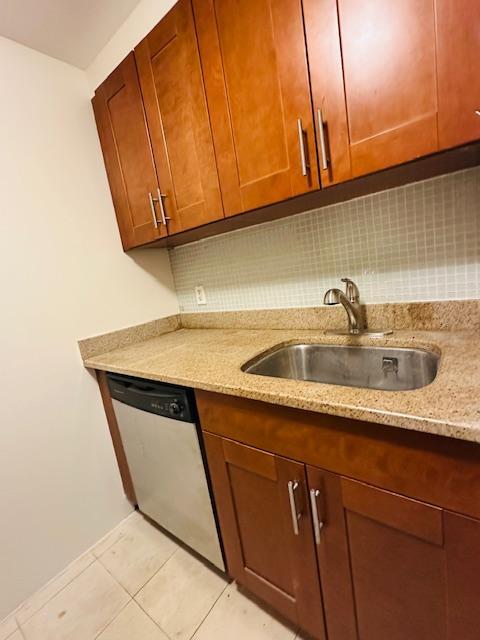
pixel 350 300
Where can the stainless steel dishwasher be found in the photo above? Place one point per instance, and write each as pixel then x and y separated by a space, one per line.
pixel 161 438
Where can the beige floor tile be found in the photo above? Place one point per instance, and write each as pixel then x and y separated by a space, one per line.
pixel 116 534
pixel 7 627
pixel 181 594
pixel 41 597
pixel 16 636
pixel 132 624
pixel 81 610
pixel 138 554
pixel 243 619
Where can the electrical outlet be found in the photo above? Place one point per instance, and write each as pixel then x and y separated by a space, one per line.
pixel 200 296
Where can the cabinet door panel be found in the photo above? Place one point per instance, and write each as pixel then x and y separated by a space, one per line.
pixel 389 63
pixel 127 153
pixel 263 552
pixel 333 556
pixel 393 567
pixel 462 541
pixel 397 563
pixel 458 46
pixel 172 87
pixel 328 91
pixel 256 76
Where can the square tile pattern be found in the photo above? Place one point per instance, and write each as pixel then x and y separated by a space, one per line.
pixel 138 584
pixel 416 242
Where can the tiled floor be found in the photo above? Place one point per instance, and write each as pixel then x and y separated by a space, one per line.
pixel 137 584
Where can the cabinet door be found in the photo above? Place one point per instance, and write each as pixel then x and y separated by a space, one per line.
pixel 398 567
pixel 458 46
pixel 266 552
pixel 128 155
pixel 333 554
pixel 173 93
pixel 328 92
pixel 462 541
pixel 389 63
pixel 256 77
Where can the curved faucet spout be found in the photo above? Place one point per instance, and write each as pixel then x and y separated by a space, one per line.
pixel 356 323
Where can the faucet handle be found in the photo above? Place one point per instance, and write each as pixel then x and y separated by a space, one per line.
pixel 351 290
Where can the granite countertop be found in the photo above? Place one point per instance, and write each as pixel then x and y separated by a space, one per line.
pixel 211 359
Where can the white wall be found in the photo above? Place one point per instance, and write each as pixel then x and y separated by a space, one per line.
pixel 63 276
pixel 142 19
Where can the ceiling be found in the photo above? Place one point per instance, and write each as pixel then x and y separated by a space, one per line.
pixel 71 30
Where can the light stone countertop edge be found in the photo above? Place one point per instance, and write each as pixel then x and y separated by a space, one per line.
pixel 210 360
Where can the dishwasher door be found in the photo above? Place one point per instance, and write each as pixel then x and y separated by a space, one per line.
pixel 169 477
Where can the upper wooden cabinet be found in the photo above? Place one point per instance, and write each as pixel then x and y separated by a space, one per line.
pixel 173 93
pixel 128 156
pixel 238 104
pixel 458 47
pixel 328 94
pixel 389 70
pixel 256 76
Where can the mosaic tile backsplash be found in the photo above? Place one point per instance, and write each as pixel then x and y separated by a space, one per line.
pixel 416 242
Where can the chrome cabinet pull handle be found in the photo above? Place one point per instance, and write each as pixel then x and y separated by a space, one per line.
pixel 292 487
pixel 321 134
pixel 162 208
pixel 152 208
pixel 477 112
pixel 317 523
pixel 301 142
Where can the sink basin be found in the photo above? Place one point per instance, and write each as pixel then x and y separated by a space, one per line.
pixel 388 369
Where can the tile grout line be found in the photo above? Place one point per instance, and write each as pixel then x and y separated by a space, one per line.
pixel 192 637
pixel 20 630
pixel 65 586
pixel 133 598
pixel 119 526
pixel 148 582
pixel 152 577
pixel 150 617
pixel 90 564
pixel 113 619
pixel 155 622
pixel 15 611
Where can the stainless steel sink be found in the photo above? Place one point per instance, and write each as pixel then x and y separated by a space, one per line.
pixel 389 369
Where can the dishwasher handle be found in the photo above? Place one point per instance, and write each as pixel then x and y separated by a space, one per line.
pixel 143 387
pixel 130 383
pixel 155 397
pixel 148 393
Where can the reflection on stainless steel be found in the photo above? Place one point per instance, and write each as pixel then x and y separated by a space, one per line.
pixel 385 368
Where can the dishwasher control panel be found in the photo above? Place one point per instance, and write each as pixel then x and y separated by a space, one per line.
pixel 156 397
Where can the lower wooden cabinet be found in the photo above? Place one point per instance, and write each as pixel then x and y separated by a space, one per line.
pixel 343 559
pixel 390 567
pixel 262 503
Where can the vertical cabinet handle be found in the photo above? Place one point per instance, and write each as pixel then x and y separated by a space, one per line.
pixel 158 199
pixel 321 135
pixel 162 208
pixel 292 487
pixel 301 142
pixel 317 523
pixel 152 209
